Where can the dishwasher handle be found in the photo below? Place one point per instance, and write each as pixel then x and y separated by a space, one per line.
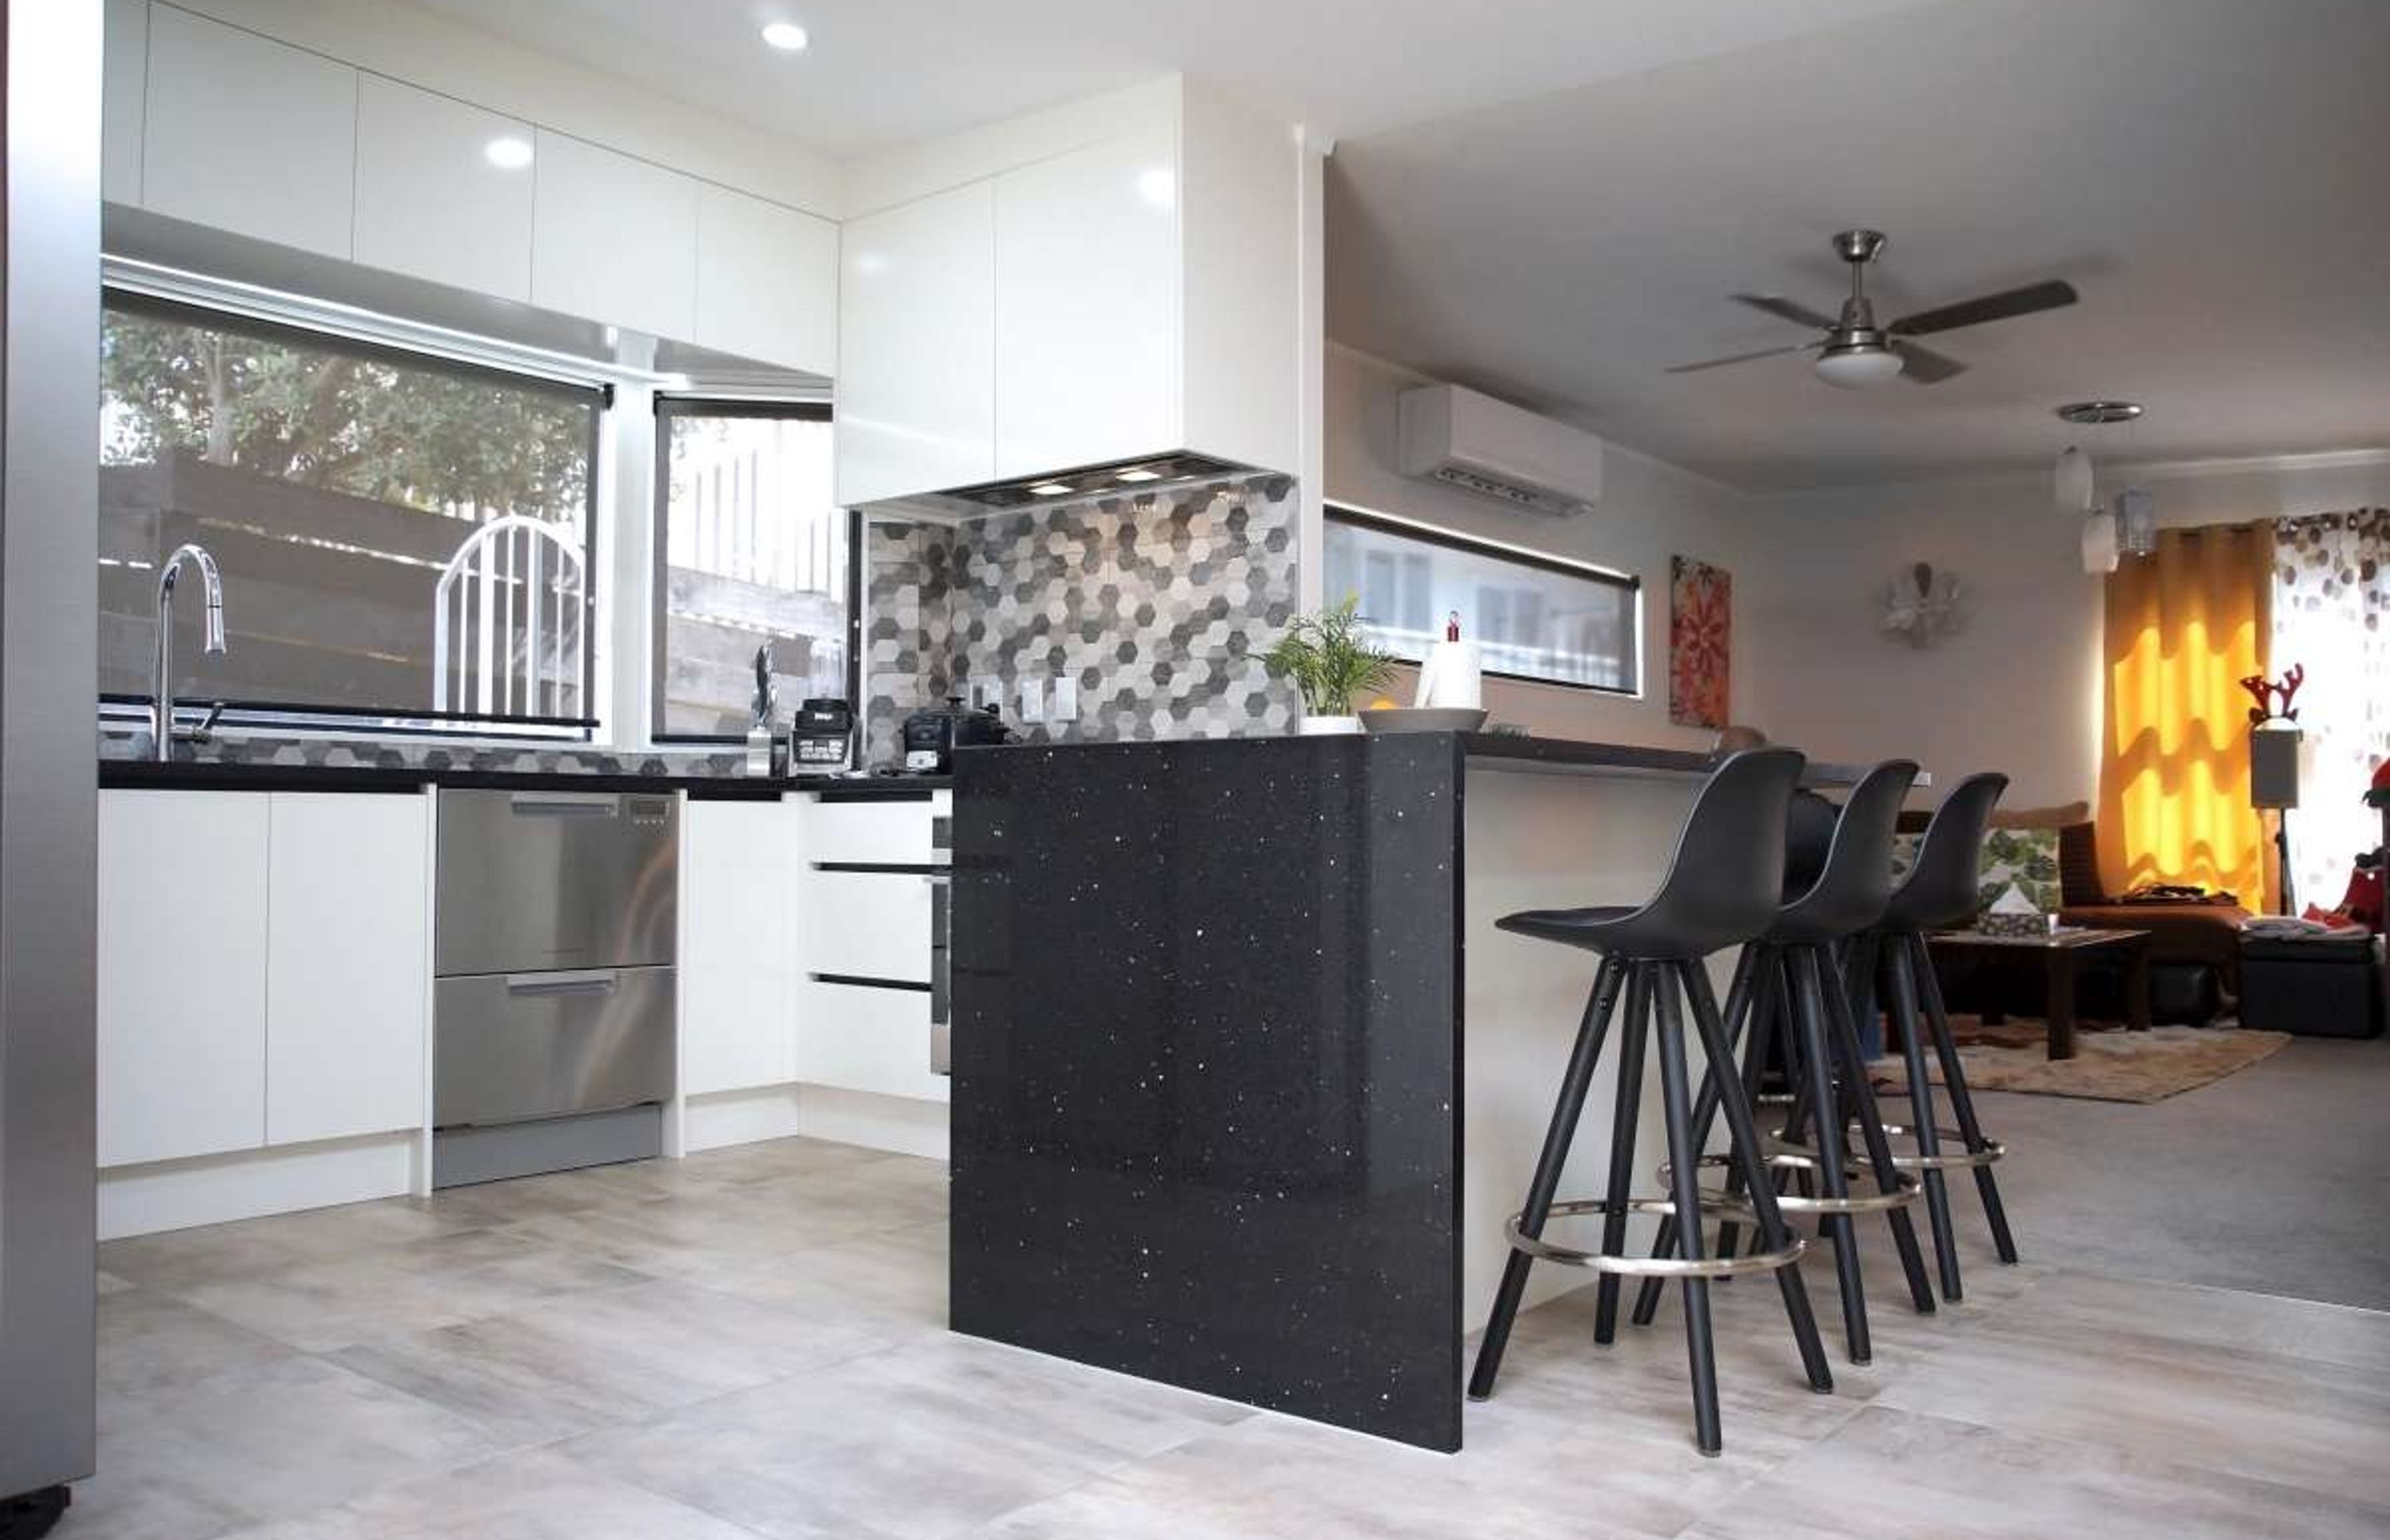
pixel 598 981
pixel 565 804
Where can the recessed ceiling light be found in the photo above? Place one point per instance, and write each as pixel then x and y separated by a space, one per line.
pixel 508 153
pixel 787 36
pixel 1052 489
pixel 1157 187
pixel 1136 473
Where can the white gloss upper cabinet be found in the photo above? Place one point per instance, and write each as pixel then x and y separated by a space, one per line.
pixel 123 90
pixel 348 964
pixel 613 239
pixel 766 281
pixel 917 347
pixel 739 861
pixel 1086 306
pixel 247 135
pixel 182 966
pixel 432 199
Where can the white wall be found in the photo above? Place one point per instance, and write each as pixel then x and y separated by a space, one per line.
pixel 2018 689
pixel 1648 511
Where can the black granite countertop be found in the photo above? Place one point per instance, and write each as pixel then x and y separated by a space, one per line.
pixel 227 775
pixel 1527 752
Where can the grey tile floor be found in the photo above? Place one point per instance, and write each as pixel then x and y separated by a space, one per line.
pixel 750 1342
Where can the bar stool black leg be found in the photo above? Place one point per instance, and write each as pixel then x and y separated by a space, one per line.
pixel 1870 1114
pixel 1742 1135
pixel 1647 1292
pixel 1833 1173
pixel 1565 1115
pixel 1685 1188
pixel 1902 988
pixel 1760 1045
pixel 1962 1103
pixel 1628 1107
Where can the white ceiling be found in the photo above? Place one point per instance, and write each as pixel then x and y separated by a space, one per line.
pixel 886 72
pixel 2212 175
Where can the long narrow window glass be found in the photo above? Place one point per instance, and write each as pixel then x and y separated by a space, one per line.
pixel 1533 617
pixel 753 554
pixel 398 537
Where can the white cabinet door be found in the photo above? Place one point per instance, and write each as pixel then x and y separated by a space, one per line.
pixel 613 239
pixel 735 963
pixel 1086 306
pixel 348 965
pixel 766 281
pixel 434 200
pixel 124 86
pixel 182 974
pixel 862 1039
pixel 917 347
pixel 869 925
pixel 246 135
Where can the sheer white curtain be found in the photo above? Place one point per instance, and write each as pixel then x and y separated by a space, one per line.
pixel 2332 618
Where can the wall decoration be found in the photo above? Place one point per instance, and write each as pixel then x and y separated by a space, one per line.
pixel 1700 642
pixel 1921 606
pixel 1157 606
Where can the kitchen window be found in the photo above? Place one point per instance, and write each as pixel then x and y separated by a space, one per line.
pixel 1535 617
pixel 404 540
pixel 751 550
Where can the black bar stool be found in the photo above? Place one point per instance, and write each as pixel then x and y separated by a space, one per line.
pixel 1941 891
pixel 1793 966
pixel 1722 890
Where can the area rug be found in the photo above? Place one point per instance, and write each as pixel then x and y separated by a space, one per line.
pixel 2109 1065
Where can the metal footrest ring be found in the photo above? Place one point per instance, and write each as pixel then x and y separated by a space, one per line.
pixel 1667 1267
pixel 1954 1159
pixel 1783 1154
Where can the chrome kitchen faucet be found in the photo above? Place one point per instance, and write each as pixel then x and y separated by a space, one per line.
pixel 209 579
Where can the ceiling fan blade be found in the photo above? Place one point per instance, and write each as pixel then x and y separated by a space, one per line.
pixel 2052 294
pixel 1790 310
pixel 1923 366
pixel 1739 358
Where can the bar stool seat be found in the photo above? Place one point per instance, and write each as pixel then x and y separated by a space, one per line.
pixel 1722 890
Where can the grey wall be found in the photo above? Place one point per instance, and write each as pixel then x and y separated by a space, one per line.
pixel 1159 605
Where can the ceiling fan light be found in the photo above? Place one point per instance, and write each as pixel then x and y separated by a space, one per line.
pixel 1856 367
pixel 2074 480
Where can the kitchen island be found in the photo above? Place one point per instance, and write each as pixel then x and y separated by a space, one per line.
pixel 1244 1079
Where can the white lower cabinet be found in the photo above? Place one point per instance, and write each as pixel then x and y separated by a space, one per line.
pixel 860 1038
pixel 263 970
pixel 869 925
pixel 736 953
pixel 348 965
pixel 182 940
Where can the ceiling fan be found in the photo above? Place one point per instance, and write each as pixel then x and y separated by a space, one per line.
pixel 1856 352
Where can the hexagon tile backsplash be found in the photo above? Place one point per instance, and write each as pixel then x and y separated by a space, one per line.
pixel 1159 605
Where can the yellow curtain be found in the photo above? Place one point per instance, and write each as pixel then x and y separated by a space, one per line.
pixel 2184 627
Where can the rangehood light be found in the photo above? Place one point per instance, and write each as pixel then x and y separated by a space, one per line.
pixel 507 153
pixel 1136 473
pixel 1052 489
pixel 787 36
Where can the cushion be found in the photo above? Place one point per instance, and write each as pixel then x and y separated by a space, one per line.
pixel 2027 857
pixel 2078 864
pixel 2058 816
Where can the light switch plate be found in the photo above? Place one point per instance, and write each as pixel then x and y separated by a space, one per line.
pixel 1033 700
pixel 1066 699
pixel 985 691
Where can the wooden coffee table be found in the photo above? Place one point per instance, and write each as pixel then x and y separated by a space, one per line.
pixel 2064 953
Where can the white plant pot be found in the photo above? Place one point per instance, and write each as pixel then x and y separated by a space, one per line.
pixel 1327 726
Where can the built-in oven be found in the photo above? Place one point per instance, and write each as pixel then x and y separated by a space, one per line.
pixel 554 937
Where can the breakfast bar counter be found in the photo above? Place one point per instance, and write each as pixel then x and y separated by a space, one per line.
pixel 1244 1079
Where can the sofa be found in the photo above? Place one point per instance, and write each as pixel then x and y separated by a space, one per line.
pixel 2195 947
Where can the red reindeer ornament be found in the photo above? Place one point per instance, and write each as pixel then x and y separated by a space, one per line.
pixel 2264 691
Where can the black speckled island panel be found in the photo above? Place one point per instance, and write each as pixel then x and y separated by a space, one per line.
pixel 1206 1061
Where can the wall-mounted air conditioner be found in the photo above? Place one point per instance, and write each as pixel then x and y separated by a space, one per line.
pixel 1496 450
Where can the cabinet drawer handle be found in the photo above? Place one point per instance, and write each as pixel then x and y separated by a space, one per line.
pixel 528 985
pixel 564 805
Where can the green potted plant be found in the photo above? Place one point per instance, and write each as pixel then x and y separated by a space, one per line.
pixel 1330 660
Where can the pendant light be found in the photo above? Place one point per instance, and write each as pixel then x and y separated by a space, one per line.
pixel 2074 482
pixel 2105 535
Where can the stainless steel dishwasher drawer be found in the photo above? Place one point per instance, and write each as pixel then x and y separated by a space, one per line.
pixel 513 1046
pixel 541 880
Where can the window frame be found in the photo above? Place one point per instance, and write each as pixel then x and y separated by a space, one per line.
pixel 324 719
pixel 659 550
pixel 1431 534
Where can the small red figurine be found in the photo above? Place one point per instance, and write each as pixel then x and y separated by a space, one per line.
pixel 2264 691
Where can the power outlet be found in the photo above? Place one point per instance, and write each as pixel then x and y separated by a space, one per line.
pixel 1066 699
pixel 1033 700
pixel 985 691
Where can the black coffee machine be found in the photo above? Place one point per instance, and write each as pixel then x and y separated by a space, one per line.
pixel 932 737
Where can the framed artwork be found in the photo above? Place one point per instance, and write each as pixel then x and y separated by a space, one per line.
pixel 1700 642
